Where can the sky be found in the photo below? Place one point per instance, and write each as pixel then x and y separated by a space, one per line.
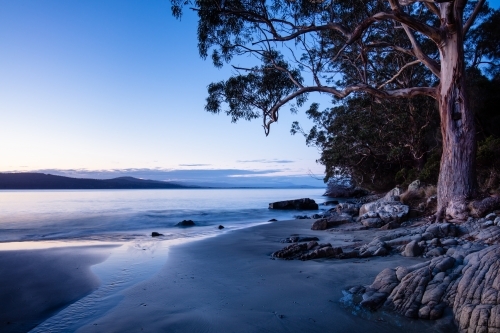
pixel 104 88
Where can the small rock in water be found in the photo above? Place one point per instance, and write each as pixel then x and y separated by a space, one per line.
pixel 156 234
pixel 273 220
pixel 221 227
pixel 186 223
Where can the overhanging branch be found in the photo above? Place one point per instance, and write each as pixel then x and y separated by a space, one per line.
pixel 271 115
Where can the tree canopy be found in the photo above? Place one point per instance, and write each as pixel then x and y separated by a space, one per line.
pixel 362 52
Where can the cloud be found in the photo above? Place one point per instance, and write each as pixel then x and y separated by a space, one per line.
pixel 265 161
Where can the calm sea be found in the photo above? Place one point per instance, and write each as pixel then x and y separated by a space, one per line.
pixel 119 215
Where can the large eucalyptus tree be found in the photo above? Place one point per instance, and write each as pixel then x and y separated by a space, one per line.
pixel 386 48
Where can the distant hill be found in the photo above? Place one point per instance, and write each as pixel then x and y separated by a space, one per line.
pixel 41 181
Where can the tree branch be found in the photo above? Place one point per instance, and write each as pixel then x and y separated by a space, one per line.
pixel 272 114
pixel 398 16
pixel 304 30
pixel 399 73
pixel 424 58
pixel 473 16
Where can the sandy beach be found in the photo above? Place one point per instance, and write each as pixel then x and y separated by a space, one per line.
pixel 35 284
pixel 226 283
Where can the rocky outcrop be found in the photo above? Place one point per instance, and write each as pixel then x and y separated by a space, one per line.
pixel 476 301
pixel 307 251
pixel 331 221
pixel 299 204
pixel 387 209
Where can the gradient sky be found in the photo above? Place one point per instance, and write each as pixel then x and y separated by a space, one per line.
pixel 99 85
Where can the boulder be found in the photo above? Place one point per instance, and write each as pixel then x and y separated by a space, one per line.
pixel 330 203
pixel 412 249
pixel 320 224
pixel 299 204
pixel 348 208
pixel 440 230
pixel 186 223
pixel 387 211
pixel 338 219
pixel 480 208
pixel 220 227
pixel 373 222
pixel 415 185
pixel 156 234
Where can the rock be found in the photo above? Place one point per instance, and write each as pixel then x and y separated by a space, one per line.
pixel 431 204
pixel 272 220
pixel 290 251
pixel 479 208
pixel 301 217
pixel 476 305
pixel 491 217
pixel 390 225
pixel 497 220
pixel 415 185
pixel 186 223
pixel 321 224
pixel 300 204
pixel 427 236
pixel 440 230
pixel 348 208
pixel 156 234
pixel 449 242
pixel 378 291
pixel 337 219
pixel 436 252
pixel 372 222
pixel 412 249
pixel 317 216
pixel 332 221
pixel 386 210
pixel 220 227
pixel 330 203
pixel 490 235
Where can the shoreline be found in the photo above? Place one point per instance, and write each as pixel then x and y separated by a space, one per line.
pixel 229 283
pixel 37 283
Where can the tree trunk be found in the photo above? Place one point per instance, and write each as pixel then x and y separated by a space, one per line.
pixel 457 178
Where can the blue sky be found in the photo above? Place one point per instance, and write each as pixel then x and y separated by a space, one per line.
pixel 110 87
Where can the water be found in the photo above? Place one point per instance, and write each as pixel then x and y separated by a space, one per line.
pixel 34 219
pixel 122 215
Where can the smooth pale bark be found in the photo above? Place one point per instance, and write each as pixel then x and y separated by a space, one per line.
pixel 457 177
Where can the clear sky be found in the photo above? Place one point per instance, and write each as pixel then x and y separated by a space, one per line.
pixel 115 87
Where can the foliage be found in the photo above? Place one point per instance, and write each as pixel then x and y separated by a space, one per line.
pixel 488 162
pixel 371 142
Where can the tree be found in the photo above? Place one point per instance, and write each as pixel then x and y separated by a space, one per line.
pixel 386 48
pixel 377 145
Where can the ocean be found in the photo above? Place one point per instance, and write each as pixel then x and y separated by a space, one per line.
pixel 123 215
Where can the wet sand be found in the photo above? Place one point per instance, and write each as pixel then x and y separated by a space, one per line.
pixel 229 283
pixel 35 284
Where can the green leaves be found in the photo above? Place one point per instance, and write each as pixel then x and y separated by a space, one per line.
pixel 251 95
